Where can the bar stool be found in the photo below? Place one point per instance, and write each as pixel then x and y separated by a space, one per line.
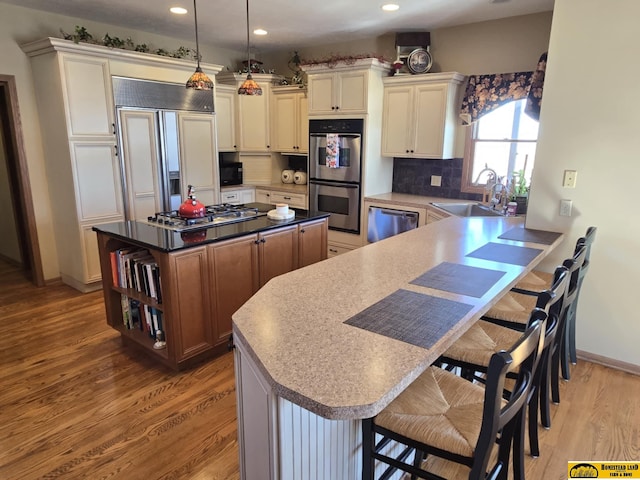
pixel 446 416
pixel 473 350
pixel 508 312
pixel 536 281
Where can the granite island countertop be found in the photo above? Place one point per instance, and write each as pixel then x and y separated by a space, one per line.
pixel 293 328
pixel 147 235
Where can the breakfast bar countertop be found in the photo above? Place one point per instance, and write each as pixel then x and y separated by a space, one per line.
pixel 294 327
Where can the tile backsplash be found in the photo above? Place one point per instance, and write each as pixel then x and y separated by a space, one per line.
pixel 412 175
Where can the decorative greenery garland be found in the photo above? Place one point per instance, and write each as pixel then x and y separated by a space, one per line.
pixel 82 35
pixel 333 59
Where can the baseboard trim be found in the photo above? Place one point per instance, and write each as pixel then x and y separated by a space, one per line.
pixel 609 362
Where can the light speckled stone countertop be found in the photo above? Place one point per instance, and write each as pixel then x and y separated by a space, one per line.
pixel 417 201
pixel 293 326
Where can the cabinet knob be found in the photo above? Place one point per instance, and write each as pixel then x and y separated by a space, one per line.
pixel 407 151
pixel 262 240
pixel 257 242
pixel 302 231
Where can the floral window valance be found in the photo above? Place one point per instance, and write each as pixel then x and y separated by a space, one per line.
pixel 485 93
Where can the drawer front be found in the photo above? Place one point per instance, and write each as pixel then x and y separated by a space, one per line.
pixel 292 199
pixel 335 250
pixel 230 197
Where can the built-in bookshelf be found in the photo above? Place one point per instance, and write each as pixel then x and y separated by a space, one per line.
pixel 136 275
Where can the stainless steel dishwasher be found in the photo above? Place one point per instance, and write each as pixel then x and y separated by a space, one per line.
pixel 386 222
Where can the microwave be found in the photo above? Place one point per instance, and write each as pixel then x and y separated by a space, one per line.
pixel 230 173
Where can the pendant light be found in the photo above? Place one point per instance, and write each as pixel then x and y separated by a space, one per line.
pixel 199 79
pixel 249 86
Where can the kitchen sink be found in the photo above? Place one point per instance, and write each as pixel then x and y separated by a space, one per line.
pixel 468 209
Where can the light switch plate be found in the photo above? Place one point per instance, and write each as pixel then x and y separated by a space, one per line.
pixel 569 180
pixel 565 208
pixel 436 181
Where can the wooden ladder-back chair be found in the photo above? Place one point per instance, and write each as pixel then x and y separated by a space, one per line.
pixel 446 416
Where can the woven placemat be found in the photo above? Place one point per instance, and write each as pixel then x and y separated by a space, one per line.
pixel 411 317
pixel 500 252
pixel 521 234
pixel 461 279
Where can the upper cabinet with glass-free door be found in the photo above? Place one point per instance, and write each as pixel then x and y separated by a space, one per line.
pixel 251 112
pixel 419 115
pixel 290 120
pixel 343 89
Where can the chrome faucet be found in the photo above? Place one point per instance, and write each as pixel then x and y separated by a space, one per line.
pixel 491 187
pixel 493 176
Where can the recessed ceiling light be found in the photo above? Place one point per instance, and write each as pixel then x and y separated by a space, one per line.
pixel 178 10
pixel 390 7
pixel 260 31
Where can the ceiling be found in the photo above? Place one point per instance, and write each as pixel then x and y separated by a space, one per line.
pixel 291 24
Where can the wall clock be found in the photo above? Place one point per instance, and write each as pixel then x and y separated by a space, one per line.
pixel 419 61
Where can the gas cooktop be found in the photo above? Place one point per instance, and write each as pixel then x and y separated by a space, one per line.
pixel 215 215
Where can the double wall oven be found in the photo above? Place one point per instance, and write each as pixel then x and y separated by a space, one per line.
pixel 335 161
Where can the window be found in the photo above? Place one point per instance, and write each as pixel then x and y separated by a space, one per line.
pixel 503 140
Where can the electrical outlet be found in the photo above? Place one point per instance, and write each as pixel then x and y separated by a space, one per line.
pixel 569 180
pixel 436 181
pixel 565 208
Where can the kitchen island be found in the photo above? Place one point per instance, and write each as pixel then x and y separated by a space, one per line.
pixel 305 378
pixel 181 287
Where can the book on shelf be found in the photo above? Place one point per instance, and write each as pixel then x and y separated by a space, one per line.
pixel 124 304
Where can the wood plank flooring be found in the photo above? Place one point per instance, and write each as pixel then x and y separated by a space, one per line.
pixel 75 404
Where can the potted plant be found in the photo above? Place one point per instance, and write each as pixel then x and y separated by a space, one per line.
pixel 519 191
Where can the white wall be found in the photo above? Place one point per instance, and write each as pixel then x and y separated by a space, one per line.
pixel 496 46
pixel 20 25
pixel 590 123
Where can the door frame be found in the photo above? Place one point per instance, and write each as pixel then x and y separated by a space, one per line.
pixel 19 182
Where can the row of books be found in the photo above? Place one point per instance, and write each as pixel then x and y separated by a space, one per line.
pixel 137 315
pixel 137 269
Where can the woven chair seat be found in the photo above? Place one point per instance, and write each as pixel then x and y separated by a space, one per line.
pixel 536 281
pixel 513 307
pixel 481 341
pixel 439 409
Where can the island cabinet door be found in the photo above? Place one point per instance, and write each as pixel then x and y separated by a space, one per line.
pixel 312 242
pixel 233 267
pixel 189 323
pixel 278 252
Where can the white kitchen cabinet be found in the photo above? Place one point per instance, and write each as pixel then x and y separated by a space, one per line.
pixel 252 112
pixel 434 216
pixel 76 110
pixel 226 117
pixel 290 120
pixel 238 197
pixel 344 89
pixel 74 94
pixel 420 115
pixel 199 156
pixel 338 93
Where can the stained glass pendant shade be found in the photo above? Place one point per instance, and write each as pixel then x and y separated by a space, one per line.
pixel 249 86
pixel 198 80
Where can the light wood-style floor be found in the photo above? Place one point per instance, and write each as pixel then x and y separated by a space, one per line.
pixel 75 404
